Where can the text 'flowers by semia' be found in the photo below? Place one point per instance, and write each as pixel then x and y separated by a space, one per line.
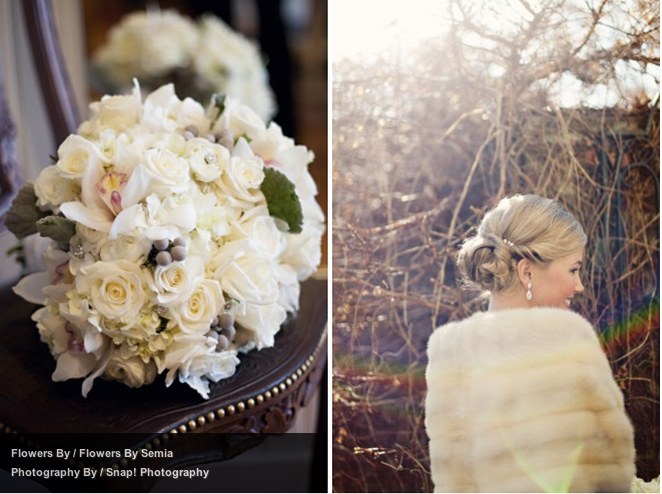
pixel 180 237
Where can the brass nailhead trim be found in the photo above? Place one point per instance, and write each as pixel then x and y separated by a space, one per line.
pixel 209 416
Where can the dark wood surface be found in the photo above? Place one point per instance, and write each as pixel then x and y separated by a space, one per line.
pixel 265 394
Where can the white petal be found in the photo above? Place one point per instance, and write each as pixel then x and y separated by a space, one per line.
pixel 31 287
pixel 73 366
pixel 97 219
pixel 127 221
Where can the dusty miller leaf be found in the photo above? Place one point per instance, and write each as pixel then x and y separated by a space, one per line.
pixel 56 227
pixel 22 217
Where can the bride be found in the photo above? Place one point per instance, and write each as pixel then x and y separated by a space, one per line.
pixel 521 397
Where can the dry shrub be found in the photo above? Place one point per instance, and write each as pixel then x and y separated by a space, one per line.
pixel 422 146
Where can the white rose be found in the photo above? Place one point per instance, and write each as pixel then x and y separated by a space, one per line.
pixel 163 111
pixel 168 169
pixel 115 289
pixel 125 247
pixel 303 252
pixel 260 229
pixel 263 321
pixel 117 112
pixel 171 217
pixel 246 274
pixel 241 120
pixel 244 175
pixel 205 303
pixel 131 371
pixel 173 284
pixel 76 155
pixel 161 172
pixel 207 160
pixel 196 362
pixel 52 189
pixel 290 288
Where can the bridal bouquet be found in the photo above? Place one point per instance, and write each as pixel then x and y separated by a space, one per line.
pixel 180 237
pixel 200 58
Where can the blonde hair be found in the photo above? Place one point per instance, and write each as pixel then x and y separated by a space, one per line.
pixel 519 227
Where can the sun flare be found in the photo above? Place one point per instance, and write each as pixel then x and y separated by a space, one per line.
pixel 365 28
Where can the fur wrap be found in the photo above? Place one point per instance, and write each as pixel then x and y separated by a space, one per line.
pixel 524 400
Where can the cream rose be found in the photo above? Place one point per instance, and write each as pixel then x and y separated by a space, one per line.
pixel 76 155
pixel 52 189
pixel 115 289
pixel 118 112
pixel 173 284
pixel 196 314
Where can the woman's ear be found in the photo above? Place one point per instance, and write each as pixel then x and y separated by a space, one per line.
pixel 524 271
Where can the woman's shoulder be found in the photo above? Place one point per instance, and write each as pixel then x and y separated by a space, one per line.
pixel 539 323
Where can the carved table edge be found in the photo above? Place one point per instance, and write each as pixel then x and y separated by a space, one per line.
pixel 160 439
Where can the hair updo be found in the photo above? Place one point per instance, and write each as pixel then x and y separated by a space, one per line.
pixel 519 227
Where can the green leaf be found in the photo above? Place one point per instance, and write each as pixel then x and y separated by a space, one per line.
pixel 282 199
pixel 56 227
pixel 218 100
pixel 22 217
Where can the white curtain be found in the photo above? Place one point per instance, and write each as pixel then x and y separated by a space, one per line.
pixel 34 139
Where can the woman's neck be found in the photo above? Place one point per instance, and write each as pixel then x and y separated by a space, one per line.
pixel 505 301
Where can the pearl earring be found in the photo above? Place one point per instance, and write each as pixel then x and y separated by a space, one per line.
pixel 529 295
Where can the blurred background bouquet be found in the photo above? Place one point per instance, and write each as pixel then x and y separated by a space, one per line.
pixel 200 57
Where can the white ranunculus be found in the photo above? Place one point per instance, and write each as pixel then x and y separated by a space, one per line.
pixel 173 284
pixel 52 189
pixel 115 289
pixel 207 160
pixel 134 249
pixel 196 314
pixel 131 371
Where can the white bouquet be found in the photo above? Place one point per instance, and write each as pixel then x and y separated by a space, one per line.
pixel 200 58
pixel 180 238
